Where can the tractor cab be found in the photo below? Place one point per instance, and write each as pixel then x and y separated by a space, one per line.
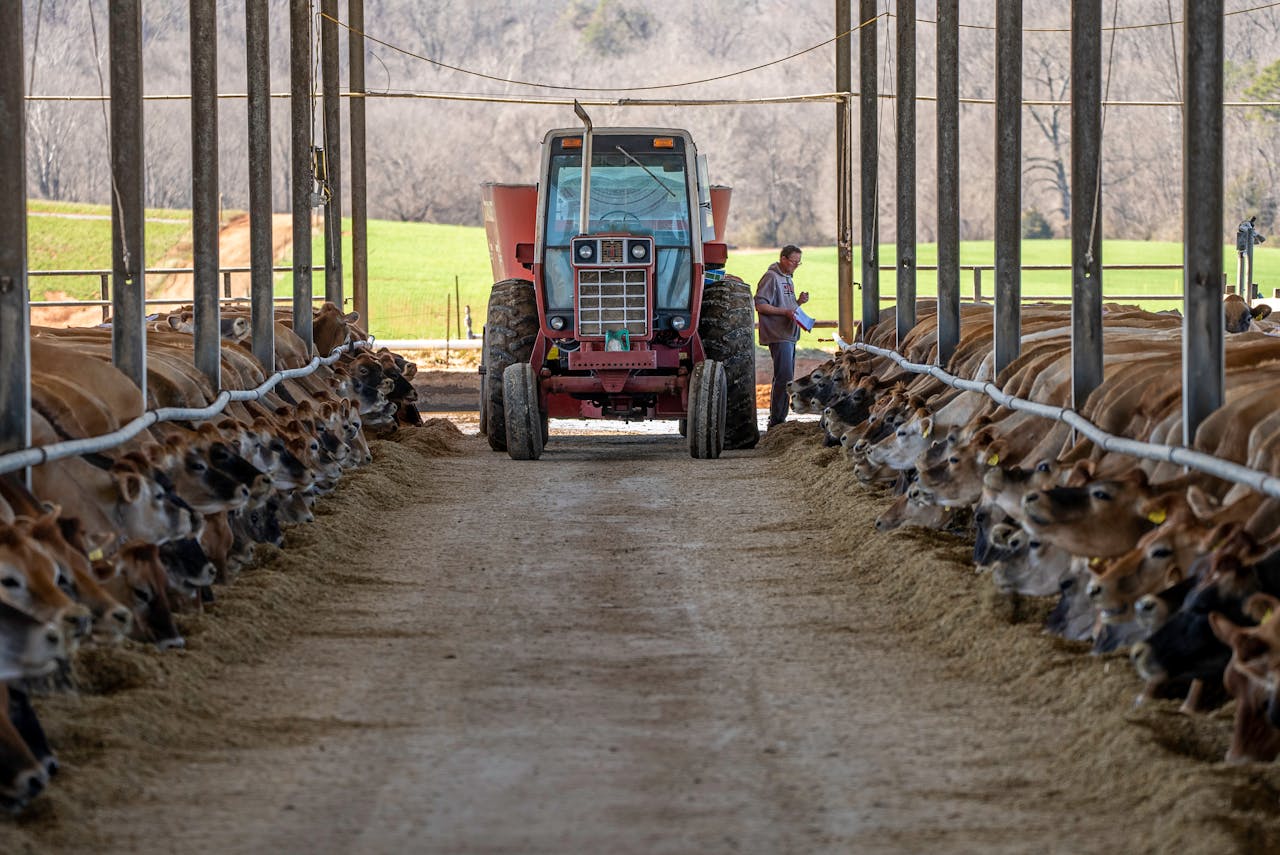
pixel 604 312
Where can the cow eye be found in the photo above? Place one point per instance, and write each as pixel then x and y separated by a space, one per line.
pixel 1042 466
pixel 1161 552
pixel 197 466
pixel 143 594
pixel 11 582
pixel 1100 495
pixel 1034 544
pixel 953 459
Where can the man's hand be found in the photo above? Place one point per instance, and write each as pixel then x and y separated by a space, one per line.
pixel 803 298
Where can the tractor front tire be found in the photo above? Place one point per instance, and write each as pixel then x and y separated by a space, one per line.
pixel 708 397
pixel 521 411
pixel 727 330
pixel 510 330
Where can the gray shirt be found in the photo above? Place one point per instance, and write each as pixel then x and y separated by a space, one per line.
pixel 777 289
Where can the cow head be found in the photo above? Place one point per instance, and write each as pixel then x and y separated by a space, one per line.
pixel 1102 518
pixel 1238 316
pixel 1251 678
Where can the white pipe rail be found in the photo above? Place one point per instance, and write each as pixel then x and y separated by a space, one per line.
pixel 1201 462
pixel 27 457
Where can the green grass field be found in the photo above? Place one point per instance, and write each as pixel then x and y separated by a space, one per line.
pixel 78 237
pixel 413 267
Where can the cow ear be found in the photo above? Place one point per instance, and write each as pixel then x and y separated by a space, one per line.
pixel 130 486
pixel 1261 607
pixel 174 321
pixel 351 317
pixel 1203 505
pixel 926 426
pixel 1155 510
pixel 1226 631
pixel 1172 576
pixel 104 571
pixel 1260 311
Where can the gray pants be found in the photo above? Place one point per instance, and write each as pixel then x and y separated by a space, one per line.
pixel 784 366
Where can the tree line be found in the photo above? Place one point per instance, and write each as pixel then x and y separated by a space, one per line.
pixel 426 158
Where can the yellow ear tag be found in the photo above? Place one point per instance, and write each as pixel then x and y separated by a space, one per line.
pixel 993 460
pixel 1094 562
pixel 1158 516
pixel 96 555
pixel 1267 616
pixel 925 433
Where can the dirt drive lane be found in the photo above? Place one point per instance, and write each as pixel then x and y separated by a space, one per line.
pixel 616 649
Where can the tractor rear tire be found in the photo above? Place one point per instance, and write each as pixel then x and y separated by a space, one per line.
pixel 708 398
pixel 523 417
pixel 727 330
pixel 510 331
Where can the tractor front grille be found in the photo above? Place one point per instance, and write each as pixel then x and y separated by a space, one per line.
pixel 613 300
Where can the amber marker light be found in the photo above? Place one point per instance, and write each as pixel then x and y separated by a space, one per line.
pixel 571 142
pixel 664 142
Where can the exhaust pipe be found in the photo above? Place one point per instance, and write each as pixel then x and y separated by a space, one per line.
pixel 584 216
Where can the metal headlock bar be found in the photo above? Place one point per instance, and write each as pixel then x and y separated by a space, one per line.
pixel 16 460
pixel 1201 462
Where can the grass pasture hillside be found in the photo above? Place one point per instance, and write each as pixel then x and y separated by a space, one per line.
pixel 77 236
pixel 413 267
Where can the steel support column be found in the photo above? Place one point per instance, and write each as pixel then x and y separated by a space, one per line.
pixel 15 329
pixel 359 185
pixel 300 109
pixel 906 160
pixel 1203 376
pixel 869 153
pixel 261 279
pixel 948 120
pixel 128 284
pixel 333 153
pixel 204 188
pixel 1008 320
pixel 844 164
pixel 1086 199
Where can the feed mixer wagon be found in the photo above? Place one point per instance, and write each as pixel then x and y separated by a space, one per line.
pixel 611 300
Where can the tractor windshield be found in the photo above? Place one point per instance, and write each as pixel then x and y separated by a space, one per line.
pixel 634 190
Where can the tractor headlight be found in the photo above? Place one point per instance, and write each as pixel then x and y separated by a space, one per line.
pixel 637 250
pixel 679 322
pixel 585 251
pixel 556 322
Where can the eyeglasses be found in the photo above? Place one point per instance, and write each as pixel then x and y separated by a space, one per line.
pixel 794 261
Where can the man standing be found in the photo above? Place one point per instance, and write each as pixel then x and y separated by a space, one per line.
pixel 776 303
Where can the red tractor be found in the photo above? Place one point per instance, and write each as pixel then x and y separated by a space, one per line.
pixel 624 311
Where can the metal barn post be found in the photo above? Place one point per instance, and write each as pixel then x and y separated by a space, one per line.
pixel 261 277
pixel 128 281
pixel 333 153
pixel 948 110
pixel 15 329
pixel 1008 178
pixel 906 182
pixel 1086 199
pixel 204 188
pixel 300 108
pixel 844 164
pixel 1203 376
pixel 869 153
pixel 359 185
